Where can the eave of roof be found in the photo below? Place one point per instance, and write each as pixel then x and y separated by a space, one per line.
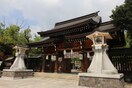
pixel 107 27
pixel 77 18
pixel 40 45
pixel 104 27
pixel 61 26
pixel 47 42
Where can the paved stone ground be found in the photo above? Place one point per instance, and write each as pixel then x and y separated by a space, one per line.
pixel 44 82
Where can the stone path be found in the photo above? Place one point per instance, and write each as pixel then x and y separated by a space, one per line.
pixel 39 83
pixel 44 82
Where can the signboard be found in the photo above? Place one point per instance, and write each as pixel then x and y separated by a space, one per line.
pixel 67 55
pixel 74 55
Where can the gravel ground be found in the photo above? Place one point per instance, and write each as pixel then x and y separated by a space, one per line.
pixel 40 81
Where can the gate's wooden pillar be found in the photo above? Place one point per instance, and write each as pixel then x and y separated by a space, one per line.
pixel 86 62
pixel 43 63
pixel 56 64
pixel 63 65
pixel 83 64
pixel 43 60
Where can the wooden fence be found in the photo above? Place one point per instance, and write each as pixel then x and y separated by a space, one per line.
pixel 122 60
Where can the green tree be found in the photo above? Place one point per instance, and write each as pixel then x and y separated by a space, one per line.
pixel 122 18
pixel 35 51
pixel 27 34
pixel 5 50
pixel 37 38
pixel 11 34
pixel 24 37
pixel 14 35
pixel 1 32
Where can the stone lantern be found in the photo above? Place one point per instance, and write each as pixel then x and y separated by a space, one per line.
pixel 19 61
pixel 18 68
pixel 101 71
pixel 100 58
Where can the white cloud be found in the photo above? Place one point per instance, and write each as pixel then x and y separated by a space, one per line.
pixel 104 6
pixel 47 12
pixel 50 2
pixel 35 29
pixel 5 7
pixel 41 11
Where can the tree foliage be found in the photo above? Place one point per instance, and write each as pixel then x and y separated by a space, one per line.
pixel 35 51
pixel 122 18
pixel 37 38
pixel 12 35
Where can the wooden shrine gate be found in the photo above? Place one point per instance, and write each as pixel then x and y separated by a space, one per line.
pixel 122 60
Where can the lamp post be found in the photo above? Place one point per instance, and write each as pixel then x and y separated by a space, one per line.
pixel 101 71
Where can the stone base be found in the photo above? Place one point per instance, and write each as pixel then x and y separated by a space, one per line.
pixel 14 74
pixel 101 81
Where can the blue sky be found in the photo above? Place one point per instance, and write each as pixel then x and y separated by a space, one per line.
pixel 41 15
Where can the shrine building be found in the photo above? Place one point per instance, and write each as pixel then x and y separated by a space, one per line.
pixel 67 40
